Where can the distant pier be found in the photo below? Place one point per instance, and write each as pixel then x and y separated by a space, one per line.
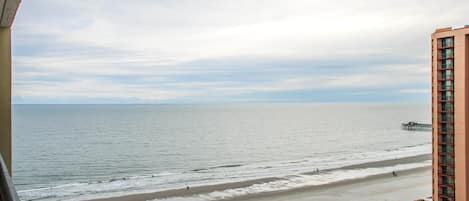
pixel 414 126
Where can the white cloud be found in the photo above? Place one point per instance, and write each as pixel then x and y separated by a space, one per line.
pixel 415 91
pixel 86 40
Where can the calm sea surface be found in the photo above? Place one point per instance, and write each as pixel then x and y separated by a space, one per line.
pixel 83 151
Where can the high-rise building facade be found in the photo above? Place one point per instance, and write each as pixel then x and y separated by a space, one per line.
pixel 450 114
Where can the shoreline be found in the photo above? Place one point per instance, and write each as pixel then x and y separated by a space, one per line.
pixel 196 190
pixel 314 189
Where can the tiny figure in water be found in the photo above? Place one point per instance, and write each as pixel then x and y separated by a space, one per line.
pixel 187 187
pixel 394 173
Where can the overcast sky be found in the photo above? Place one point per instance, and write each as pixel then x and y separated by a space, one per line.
pixel 170 51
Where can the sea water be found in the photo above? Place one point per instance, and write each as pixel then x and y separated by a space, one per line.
pixel 76 152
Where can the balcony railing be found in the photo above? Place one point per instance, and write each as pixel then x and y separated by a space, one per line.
pixel 445 77
pixel 448 139
pixel 448 193
pixel 445 107
pixel 446 56
pixel 446 196
pixel 446 88
pixel 446 98
pixel 446 118
pixel 446 160
pixel 446 152
pixel 443 45
pixel 7 190
pixel 449 173
pixel 446 130
pixel 446 171
pixel 445 66
pixel 447 182
pixel 446 110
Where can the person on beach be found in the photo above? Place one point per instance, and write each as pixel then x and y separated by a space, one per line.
pixel 187 187
pixel 394 173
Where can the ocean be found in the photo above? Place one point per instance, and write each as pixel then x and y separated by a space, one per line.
pixel 81 152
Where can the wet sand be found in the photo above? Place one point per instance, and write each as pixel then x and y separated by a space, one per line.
pixel 408 185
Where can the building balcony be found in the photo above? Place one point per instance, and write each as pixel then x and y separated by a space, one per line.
pixel 446 197
pixel 447 132
pixel 445 56
pixel 447 120
pixel 447 108
pixel 445 45
pixel 447 193
pixel 446 143
pixel 440 47
pixel 446 160
pixel 445 77
pixel 449 172
pixel 450 186
pixel 446 99
pixel 446 165
pixel 446 140
pixel 444 153
pixel 445 66
pixel 446 88
pixel 447 183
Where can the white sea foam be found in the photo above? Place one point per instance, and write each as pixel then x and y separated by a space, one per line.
pixel 168 180
pixel 298 181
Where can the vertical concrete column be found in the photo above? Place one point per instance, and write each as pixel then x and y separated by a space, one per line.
pixel 435 125
pixel 5 96
pixel 466 100
pixel 460 105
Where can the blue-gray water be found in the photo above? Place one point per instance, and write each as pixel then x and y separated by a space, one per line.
pixel 84 151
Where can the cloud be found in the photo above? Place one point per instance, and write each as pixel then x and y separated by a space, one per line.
pixel 415 91
pixel 176 50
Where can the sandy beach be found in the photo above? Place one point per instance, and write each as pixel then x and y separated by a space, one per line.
pixel 408 185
